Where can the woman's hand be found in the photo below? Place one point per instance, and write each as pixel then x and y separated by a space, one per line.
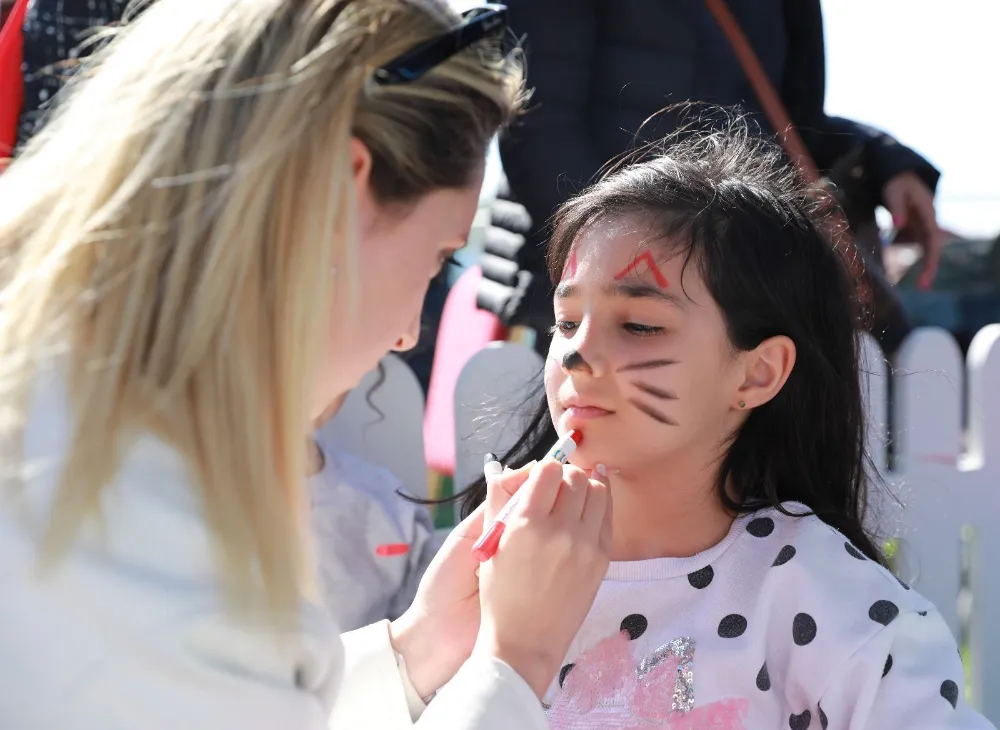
pixel 437 633
pixel 536 591
pixel 911 203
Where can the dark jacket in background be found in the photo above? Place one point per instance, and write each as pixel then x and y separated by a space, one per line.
pixel 600 68
pixel 54 31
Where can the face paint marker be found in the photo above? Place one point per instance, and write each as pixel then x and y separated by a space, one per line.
pixel 486 546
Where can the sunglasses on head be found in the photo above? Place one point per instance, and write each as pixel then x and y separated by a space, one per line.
pixel 476 24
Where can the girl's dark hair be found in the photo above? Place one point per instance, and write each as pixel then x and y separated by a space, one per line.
pixel 764 248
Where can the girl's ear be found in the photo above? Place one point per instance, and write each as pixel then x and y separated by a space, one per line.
pixel 766 368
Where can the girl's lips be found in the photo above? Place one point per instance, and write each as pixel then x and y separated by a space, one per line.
pixel 585 413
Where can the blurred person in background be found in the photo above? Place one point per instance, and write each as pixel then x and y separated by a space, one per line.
pixel 372 544
pixel 601 68
pixel 58 35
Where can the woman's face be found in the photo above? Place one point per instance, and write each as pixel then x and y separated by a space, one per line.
pixel 641 364
pixel 402 249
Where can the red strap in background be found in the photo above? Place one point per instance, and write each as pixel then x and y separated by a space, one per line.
pixel 11 78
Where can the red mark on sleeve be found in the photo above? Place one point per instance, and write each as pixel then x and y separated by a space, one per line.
pixel 570 267
pixel 646 256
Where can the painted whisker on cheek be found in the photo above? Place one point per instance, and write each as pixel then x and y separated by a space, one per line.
pixel 646 365
pixel 656 392
pixel 652 412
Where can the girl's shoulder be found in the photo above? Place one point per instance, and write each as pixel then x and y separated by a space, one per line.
pixel 839 629
pixel 814 589
pixel 808 561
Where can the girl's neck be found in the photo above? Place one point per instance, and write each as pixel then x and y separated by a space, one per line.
pixel 667 512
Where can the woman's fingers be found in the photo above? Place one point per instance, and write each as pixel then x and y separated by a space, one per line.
pixel 598 508
pixel 501 488
pixel 541 490
pixel 573 494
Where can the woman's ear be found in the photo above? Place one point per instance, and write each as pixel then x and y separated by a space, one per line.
pixel 361 172
pixel 766 369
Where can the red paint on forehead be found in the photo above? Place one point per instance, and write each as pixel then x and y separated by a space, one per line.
pixel 646 257
pixel 570 266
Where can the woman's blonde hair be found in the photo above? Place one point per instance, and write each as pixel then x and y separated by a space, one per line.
pixel 172 229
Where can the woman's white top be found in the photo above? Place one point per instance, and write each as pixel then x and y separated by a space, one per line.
pixel 130 632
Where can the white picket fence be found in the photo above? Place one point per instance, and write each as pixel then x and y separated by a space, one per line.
pixel 943 503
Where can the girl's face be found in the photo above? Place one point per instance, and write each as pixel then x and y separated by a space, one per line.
pixel 639 362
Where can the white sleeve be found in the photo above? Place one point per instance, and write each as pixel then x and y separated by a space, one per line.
pixel 909 676
pixel 485 694
pixel 169 687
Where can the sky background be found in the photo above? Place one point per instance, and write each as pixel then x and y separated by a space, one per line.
pixel 923 71
pixel 926 71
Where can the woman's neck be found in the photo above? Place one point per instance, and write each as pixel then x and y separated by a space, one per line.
pixel 315 460
pixel 667 512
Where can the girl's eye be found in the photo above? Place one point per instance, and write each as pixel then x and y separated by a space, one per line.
pixel 642 330
pixel 564 326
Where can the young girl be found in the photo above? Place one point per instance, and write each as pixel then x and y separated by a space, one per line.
pixel 706 344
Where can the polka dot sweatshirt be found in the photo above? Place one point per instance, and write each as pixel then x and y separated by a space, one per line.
pixel 784 624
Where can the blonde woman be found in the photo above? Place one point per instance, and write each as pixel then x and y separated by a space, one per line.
pixel 231 217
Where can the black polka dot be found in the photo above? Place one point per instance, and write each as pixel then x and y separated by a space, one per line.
pixel 732 626
pixel 883 612
pixel 822 718
pixel 635 624
pixel 786 554
pixel 800 722
pixel 763 679
pixel 701 578
pixel 803 629
pixel 949 690
pixel 854 552
pixel 761 527
pixel 921 613
pixel 888 665
pixel 563 672
pixel 901 582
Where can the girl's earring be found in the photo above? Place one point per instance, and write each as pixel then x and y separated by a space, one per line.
pixel 743 404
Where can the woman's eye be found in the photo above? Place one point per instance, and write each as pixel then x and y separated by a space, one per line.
pixel 564 326
pixel 642 329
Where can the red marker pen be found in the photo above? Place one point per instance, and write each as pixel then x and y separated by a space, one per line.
pixel 486 546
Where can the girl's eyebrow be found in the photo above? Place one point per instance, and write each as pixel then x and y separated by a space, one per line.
pixel 626 290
